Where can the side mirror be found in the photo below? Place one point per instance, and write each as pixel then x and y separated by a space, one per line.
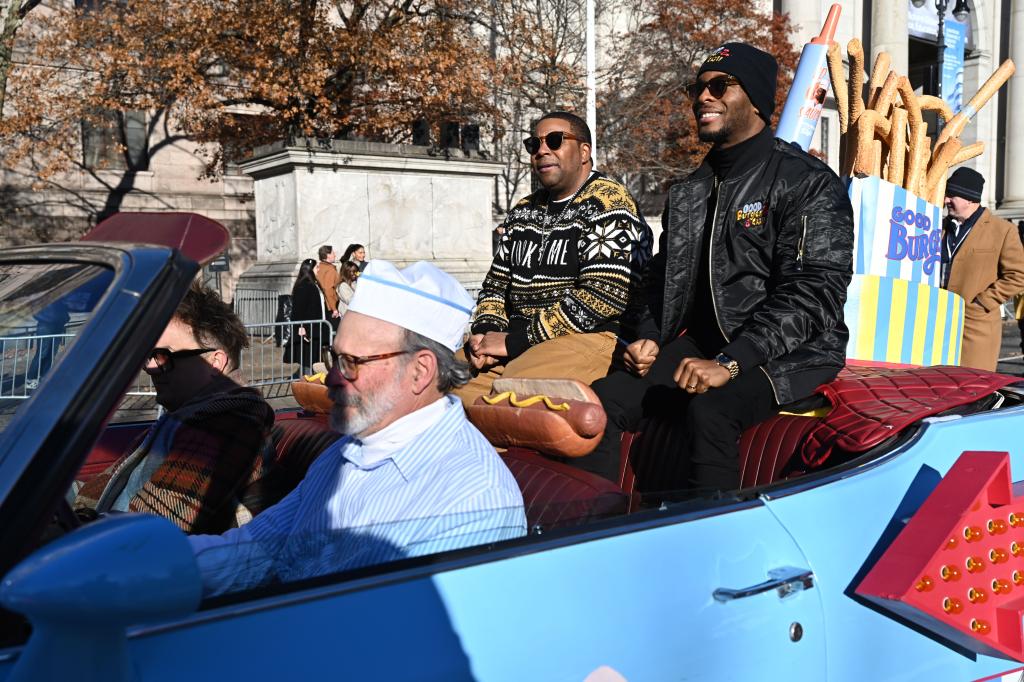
pixel 81 592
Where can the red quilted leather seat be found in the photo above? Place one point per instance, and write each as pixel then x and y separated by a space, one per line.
pixel 554 494
pixel 559 495
pixel 298 439
pixel 115 440
pixel 869 405
pixel 650 465
pixel 767 448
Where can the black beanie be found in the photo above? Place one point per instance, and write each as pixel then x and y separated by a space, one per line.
pixel 966 183
pixel 754 69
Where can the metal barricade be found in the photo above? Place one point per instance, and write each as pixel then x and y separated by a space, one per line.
pixel 24 360
pixel 264 362
pixel 256 306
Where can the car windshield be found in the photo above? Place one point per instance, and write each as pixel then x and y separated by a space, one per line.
pixel 42 307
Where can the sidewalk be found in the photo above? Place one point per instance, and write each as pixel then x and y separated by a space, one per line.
pixel 1010 361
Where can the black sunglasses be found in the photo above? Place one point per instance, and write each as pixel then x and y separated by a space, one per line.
pixel 162 359
pixel 716 86
pixel 553 140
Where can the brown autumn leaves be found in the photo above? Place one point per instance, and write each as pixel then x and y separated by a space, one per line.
pixel 235 74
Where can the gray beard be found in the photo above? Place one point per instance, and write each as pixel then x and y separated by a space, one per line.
pixel 368 410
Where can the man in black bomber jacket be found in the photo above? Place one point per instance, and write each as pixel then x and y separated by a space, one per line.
pixel 747 292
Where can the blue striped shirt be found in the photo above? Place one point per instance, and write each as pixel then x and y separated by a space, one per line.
pixel 446 488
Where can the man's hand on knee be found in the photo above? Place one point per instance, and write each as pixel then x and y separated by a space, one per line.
pixel 640 355
pixel 696 375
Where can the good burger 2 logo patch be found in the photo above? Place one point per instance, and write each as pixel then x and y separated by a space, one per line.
pixel 717 55
pixel 751 215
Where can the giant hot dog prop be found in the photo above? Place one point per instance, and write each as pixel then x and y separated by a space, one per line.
pixel 554 416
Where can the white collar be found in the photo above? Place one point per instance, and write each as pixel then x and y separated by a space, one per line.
pixel 384 443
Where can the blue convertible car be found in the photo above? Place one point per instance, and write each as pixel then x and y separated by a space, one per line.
pixel 613 582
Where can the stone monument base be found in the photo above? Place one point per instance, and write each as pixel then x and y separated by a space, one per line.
pixel 404 203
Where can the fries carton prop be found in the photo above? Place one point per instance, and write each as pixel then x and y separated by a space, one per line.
pixel 895 310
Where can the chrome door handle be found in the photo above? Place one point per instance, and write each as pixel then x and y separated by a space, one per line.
pixel 786 580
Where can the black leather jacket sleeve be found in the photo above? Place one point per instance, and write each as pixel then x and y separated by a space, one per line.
pixel 811 269
pixel 647 325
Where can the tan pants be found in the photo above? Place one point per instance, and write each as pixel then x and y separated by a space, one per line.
pixel 584 357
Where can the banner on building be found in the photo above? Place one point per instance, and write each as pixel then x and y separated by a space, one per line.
pixel 953 64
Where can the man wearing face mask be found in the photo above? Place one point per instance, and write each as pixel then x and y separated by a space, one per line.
pixel 567 272
pixel 194 463
pixel 746 312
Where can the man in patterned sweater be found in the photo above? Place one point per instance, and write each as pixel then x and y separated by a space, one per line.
pixel 567 274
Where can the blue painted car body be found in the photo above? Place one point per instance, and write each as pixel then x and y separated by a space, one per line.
pixel 635 594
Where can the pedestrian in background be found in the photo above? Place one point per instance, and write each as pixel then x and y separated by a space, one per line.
pixel 309 307
pixel 327 277
pixel 1019 302
pixel 983 261
pixel 347 287
pixel 355 253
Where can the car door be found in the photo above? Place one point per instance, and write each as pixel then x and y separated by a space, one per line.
pixel 637 596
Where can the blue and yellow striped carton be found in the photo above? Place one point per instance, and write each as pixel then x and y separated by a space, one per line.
pixel 900 322
pixel 898 234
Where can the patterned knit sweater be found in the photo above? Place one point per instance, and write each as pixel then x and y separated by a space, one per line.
pixel 569 270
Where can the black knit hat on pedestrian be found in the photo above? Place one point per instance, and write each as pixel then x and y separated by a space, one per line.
pixel 754 69
pixel 966 183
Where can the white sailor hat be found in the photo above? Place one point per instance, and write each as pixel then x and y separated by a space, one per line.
pixel 421 298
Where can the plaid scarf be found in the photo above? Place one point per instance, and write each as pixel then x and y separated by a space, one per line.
pixel 207 450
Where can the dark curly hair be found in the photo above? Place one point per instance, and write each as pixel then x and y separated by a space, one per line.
pixel 213 322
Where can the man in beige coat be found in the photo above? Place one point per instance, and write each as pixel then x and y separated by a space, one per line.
pixel 983 261
pixel 328 278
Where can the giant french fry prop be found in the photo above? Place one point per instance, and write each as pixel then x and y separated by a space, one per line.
pixel 891 125
pixel 896 312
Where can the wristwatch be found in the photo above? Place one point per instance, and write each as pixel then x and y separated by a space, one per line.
pixel 730 364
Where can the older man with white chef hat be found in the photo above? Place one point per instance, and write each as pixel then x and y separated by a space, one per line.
pixel 411 476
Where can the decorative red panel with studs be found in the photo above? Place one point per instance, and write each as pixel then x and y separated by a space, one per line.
pixel 957 568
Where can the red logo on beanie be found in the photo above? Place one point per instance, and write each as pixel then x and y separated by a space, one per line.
pixel 717 55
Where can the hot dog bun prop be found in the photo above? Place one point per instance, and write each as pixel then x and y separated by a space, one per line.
pixel 310 392
pixel 802 109
pixel 560 417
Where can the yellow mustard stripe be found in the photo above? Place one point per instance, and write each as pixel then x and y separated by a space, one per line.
pixel 816 412
pixel 897 321
pixel 868 313
pixel 526 402
pixel 939 343
pixel 319 377
pixel 921 330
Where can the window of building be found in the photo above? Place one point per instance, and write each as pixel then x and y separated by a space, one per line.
pixel 119 142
